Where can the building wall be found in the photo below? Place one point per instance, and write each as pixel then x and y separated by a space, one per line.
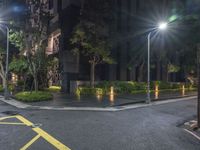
pixel 125 29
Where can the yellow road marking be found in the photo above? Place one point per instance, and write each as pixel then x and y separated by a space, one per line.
pixel 3 118
pixel 40 133
pixel 12 123
pixel 30 142
pixel 44 134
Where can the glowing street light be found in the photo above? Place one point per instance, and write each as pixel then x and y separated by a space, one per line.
pixel 161 26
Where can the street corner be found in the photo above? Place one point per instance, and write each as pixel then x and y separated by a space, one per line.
pixel 191 127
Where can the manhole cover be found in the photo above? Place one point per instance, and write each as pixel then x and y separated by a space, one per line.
pixel 12 113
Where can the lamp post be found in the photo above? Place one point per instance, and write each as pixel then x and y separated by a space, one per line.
pixel 161 26
pixel 6 94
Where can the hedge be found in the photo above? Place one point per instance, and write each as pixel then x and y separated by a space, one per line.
pixel 131 87
pixel 34 96
pixel 54 89
pixel 89 91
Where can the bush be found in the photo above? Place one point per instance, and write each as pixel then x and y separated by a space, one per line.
pixel 166 85
pixel 20 83
pixel 34 96
pixel 54 89
pixel 89 91
pixel 121 86
pixel 10 88
pixel 1 88
pixel 129 87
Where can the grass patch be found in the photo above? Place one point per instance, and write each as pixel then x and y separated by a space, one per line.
pixel 34 96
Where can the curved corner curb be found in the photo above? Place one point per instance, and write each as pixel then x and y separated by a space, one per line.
pixel 21 105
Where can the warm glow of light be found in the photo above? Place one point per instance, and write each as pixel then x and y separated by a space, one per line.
pixel 112 98
pixel 156 88
pixel 99 97
pixel 112 90
pixel 14 78
pixel 183 90
pixel 156 91
pixel 162 26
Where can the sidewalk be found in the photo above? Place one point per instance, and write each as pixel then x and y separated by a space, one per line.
pixel 61 100
pixel 106 103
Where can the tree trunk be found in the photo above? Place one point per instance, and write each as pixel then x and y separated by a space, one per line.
pixel 92 74
pixel 24 85
pixel 35 83
pixel 198 99
pixel 4 82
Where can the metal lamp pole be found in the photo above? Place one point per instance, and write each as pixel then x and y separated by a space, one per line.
pixel 148 69
pixel 161 26
pixel 6 94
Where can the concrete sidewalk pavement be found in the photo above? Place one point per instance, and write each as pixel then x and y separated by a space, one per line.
pixel 22 105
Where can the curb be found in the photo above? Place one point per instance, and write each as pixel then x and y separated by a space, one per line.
pixel 21 105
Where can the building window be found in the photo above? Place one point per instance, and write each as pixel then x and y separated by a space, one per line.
pixel 53 43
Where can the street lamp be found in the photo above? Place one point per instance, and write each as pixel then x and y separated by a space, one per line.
pixel 6 94
pixel 161 26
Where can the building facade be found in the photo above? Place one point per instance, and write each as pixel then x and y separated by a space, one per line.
pixel 132 19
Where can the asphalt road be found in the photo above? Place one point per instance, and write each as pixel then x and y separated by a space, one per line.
pixel 149 128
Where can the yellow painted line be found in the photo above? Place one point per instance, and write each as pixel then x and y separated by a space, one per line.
pixel 3 118
pixel 30 142
pixel 12 123
pixel 44 134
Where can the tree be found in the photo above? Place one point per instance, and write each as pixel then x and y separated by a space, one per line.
pixel 31 37
pixel 90 37
pixel 2 66
pixel 19 66
pixel 52 70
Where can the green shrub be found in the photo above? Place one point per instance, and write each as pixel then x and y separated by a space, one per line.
pixel 105 86
pixel 10 88
pixel 122 87
pixel 130 87
pixel 20 83
pixel 165 85
pixel 89 91
pixel 34 96
pixel 1 88
pixel 139 92
pixel 54 89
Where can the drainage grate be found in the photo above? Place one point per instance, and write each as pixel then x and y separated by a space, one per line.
pixel 11 113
